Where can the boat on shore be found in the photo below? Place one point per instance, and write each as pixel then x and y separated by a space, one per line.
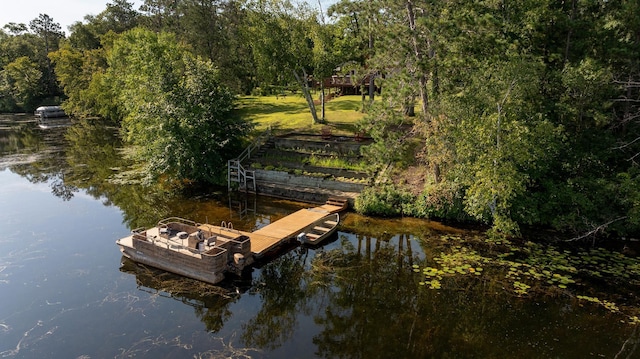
pixel 199 251
pixel 320 229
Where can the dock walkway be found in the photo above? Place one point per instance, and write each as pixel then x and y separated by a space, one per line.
pixel 270 236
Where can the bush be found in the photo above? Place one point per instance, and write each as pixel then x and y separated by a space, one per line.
pixel 385 201
pixel 259 91
pixel 439 201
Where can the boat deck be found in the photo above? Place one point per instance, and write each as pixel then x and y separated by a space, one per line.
pixel 270 236
pixel 174 242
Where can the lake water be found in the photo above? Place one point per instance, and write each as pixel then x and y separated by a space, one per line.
pixel 66 291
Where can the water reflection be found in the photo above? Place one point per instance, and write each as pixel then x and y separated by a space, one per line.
pixel 365 302
pixel 34 153
pixel 283 295
pixel 86 156
pixel 17 136
pixel 210 302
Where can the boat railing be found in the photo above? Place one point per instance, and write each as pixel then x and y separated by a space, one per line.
pixel 178 224
pixel 138 230
pixel 142 236
pixel 167 221
pixel 174 244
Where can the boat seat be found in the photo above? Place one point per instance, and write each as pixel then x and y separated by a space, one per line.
pixel 238 259
pixel 211 241
pixel 313 236
pixel 331 223
pixel 198 235
pixel 321 229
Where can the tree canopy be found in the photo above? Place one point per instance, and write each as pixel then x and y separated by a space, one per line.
pixel 528 109
pixel 174 109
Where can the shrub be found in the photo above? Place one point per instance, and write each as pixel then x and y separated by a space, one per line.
pixel 442 201
pixel 386 201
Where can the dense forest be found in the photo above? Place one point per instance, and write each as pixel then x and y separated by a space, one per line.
pixel 516 114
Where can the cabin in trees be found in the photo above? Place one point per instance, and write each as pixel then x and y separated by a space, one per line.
pixel 350 84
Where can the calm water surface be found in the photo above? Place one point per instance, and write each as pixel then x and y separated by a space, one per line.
pixel 66 292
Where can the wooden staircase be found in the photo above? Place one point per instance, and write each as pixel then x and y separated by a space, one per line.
pixel 269 144
pixel 291 153
pixel 340 202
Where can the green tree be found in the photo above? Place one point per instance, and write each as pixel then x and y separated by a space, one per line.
pixel 282 45
pixel 161 15
pixel 361 24
pixel 15 42
pixel 50 33
pixel 499 147
pixel 176 113
pixel 74 73
pixel 118 17
pixel 20 80
pixel 216 30
pixel 325 58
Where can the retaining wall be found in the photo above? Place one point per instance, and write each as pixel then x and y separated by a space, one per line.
pixel 305 181
pixel 337 144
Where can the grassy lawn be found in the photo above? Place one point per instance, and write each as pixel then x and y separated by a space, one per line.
pixel 291 113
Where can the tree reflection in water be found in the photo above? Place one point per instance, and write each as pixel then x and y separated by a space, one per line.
pixel 96 164
pixel 86 156
pixel 372 304
pixel 210 302
pixel 365 302
pixel 36 154
pixel 284 296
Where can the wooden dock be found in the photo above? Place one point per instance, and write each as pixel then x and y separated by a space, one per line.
pixel 272 235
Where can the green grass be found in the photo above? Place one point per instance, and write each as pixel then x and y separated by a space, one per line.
pixel 318 161
pixel 335 162
pixel 291 113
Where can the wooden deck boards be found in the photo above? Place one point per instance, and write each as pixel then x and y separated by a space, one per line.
pixel 331 208
pixel 271 235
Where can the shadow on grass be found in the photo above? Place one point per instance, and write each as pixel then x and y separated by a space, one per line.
pixel 270 105
pixel 292 113
pixel 270 108
pixel 351 103
pixel 344 128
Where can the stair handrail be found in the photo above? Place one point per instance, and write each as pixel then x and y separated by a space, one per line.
pixel 237 162
pixel 257 143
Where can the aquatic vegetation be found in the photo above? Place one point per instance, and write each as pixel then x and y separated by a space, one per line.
pixel 530 268
pixel 520 288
